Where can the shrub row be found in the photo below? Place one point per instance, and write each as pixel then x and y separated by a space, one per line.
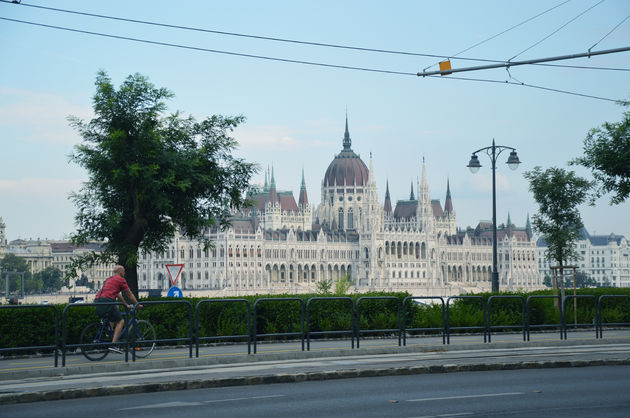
pixel 30 327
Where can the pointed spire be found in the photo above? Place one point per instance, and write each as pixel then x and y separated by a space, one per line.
pixel 388 203
pixel 273 180
pixel 411 196
pixel 266 186
pixel 448 203
pixel 528 228
pixel 303 200
pixel 347 142
pixel 272 190
pixel 509 227
pixel 424 175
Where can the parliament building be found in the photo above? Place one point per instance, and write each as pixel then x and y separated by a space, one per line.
pixel 281 245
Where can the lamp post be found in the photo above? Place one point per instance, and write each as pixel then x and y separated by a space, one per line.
pixel 493 152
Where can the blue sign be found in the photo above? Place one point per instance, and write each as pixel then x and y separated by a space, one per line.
pixel 174 292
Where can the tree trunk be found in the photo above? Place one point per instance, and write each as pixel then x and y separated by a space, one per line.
pixel 130 263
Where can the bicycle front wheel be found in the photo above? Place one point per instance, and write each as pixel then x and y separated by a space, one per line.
pixel 94 333
pixel 144 335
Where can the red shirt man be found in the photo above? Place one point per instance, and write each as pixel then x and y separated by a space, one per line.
pixel 114 288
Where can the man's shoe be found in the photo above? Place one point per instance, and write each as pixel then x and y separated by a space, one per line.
pixel 115 350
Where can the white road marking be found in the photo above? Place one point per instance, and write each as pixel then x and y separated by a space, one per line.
pixel 485 395
pixel 175 404
pixel 179 404
pixel 245 399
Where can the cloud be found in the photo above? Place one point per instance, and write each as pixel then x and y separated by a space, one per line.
pixel 42 116
pixel 43 187
pixel 269 136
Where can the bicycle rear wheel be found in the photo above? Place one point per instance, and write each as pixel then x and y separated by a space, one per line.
pixel 144 335
pixel 96 332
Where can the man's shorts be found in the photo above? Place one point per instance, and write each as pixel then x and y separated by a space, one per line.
pixel 110 312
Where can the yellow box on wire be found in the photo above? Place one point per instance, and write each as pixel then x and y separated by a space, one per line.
pixel 445 66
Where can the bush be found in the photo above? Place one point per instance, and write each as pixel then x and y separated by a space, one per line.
pixel 28 326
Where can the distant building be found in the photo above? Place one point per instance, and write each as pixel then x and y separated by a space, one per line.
pixel 37 253
pixel 281 245
pixel 40 254
pixel 63 253
pixel 605 258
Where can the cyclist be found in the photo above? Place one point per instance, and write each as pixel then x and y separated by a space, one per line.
pixel 115 287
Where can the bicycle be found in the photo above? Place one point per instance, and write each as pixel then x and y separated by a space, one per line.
pixel 96 337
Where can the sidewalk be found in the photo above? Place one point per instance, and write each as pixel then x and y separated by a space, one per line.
pixel 35 379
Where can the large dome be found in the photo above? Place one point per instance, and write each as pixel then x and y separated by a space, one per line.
pixel 347 168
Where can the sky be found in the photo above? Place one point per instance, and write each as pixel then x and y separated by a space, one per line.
pixel 295 112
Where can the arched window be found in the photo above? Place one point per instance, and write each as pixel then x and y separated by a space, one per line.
pixel 350 219
pixel 340 221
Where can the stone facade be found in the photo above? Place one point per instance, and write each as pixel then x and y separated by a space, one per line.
pixel 281 245
pixel 605 258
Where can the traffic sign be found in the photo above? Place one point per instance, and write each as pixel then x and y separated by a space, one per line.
pixel 173 271
pixel 174 292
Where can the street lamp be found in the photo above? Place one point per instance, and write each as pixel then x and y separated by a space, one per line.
pixel 493 152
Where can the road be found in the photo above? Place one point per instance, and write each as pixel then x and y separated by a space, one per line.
pixel 563 392
pixel 235 350
pixel 34 379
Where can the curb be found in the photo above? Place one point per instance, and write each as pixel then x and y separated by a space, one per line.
pixel 294 355
pixel 15 398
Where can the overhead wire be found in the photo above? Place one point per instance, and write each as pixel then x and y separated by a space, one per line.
pixel 242 35
pixel 503 32
pixel 525 85
pixel 312 63
pixel 294 41
pixel 611 31
pixel 558 30
pixel 216 51
pixel 583 67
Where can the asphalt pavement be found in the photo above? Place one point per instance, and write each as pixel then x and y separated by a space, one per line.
pixel 35 378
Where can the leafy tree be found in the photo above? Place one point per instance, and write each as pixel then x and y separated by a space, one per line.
pixel 558 194
pixel 547 281
pixel 583 280
pixel 151 173
pixel 607 154
pixel 51 279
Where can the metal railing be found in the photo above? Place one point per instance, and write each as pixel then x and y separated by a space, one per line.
pixel 64 330
pixel 542 326
pixel 600 319
pixel 576 324
pixel 331 332
pixel 404 330
pixel 358 321
pixel 278 334
pixel 355 308
pixel 54 347
pixel 474 327
pixel 247 336
pixel 489 325
pixel 190 340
